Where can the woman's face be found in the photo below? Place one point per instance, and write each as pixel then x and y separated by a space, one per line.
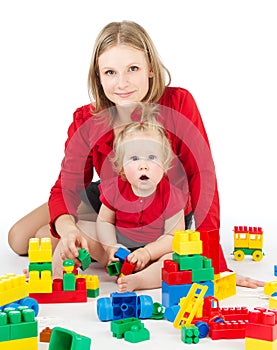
pixel 124 74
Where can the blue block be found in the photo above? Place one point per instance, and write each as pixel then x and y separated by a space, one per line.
pixel 121 254
pixel 171 294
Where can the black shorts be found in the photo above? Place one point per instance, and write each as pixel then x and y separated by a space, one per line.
pixel 91 196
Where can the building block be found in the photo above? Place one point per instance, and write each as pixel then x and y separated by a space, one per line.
pixel 64 339
pixel 84 258
pixel 69 282
pixel 187 242
pixel 171 294
pixel 270 288
pixel 59 295
pixel 275 270
pixel 258 344
pixel 190 334
pixel 127 268
pixel 92 285
pixel 122 254
pixel 158 311
pixel 12 287
pixel 188 262
pixel 40 266
pixel 227 330
pixel 171 274
pixel 45 334
pixel 248 241
pixel 124 305
pixel 204 274
pixel 40 250
pixel 137 334
pixel 238 313
pixel 211 247
pixel 262 324
pixel 40 282
pixel 186 313
pixel 119 327
pixel 272 303
pixel 26 343
pixel 114 268
pixel 225 285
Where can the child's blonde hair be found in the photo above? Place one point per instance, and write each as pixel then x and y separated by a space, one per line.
pixel 147 124
pixel 131 34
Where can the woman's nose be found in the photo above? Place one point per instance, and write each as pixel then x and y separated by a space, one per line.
pixel 122 80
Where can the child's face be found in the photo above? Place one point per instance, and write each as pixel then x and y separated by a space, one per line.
pixel 124 74
pixel 143 162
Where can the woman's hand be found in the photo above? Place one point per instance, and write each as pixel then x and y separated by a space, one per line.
pixel 248 282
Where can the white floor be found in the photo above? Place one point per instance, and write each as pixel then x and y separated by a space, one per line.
pixel 82 317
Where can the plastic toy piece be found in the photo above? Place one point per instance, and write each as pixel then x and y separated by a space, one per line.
pixel 187 242
pixel 119 327
pixel 190 334
pixel 240 313
pixel 272 303
pixel 64 339
pixel 122 254
pixel 127 268
pixel 210 246
pixel 258 344
pixel 26 343
pixel 270 288
pixel 45 334
pixel 137 334
pixel 124 305
pixel 59 295
pixel 248 241
pixel 262 324
pixel 114 268
pixel 40 282
pixel 158 311
pixel 203 329
pixel 84 258
pixel 195 297
pixel 171 274
pixel 227 330
pixel 92 285
pixel 225 285
pixel 12 287
pixel 40 250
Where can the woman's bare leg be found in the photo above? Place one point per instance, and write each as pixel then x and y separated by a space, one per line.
pixel 26 228
pixel 148 278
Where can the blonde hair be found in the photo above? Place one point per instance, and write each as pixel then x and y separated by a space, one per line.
pixel 147 124
pixel 131 34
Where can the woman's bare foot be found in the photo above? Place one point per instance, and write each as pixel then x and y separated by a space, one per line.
pixel 248 282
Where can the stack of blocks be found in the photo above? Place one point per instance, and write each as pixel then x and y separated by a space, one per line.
pixel 40 266
pixel 187 267
pixel 261 329
pixel 18 329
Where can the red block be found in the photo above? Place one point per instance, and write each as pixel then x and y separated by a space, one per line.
pixel 235 313
pixel 171 274
pixel 58 295
pixel 262 324
pixel 127 268
pixel 228 330
pixel 210 241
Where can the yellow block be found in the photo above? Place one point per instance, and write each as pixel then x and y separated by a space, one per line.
pixel 225 285
pixel 12 287
pixel 272 303
pixel 186 242
pixel 40 250
pixel 20 344
pixel 258 344
pixel 40 282
pixel 270 287
pixel 92 281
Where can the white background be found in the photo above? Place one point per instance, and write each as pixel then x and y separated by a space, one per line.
pixel 223 52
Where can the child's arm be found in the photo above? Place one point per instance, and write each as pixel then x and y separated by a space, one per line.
pixel 163 245
pixel 105 231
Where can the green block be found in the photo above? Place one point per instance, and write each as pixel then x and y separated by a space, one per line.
pixel 202 275
pixel 137 334
pixel 92 293
pixel 190 334
pixel 119 327
pixel 84 258
pixel 114 268
pixel 69 281
pixel 64 339
pixel 46 266
pixel 4 327
pixel 188 262
pixel 26 327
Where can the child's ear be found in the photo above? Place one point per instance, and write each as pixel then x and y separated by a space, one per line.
pixel 122 174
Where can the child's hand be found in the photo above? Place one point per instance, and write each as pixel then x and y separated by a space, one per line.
pixel 110 253
pixel 249 282
pixel 140 257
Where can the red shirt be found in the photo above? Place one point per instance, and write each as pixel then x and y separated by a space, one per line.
pixel 90 141
pixel 141 219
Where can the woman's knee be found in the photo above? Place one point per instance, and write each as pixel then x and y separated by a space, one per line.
pixel 17 244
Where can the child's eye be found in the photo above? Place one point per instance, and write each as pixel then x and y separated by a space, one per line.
pixel 134 158
pixel 133 68
pixel 152 157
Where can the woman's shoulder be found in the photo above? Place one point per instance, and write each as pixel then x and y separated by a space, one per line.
pixel 175 92
pixel 84 112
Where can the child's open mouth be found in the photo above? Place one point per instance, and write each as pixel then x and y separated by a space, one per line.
pixel 144 177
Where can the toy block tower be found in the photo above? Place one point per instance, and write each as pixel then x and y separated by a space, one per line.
pixel 187 266
pixel 261 329
pixel 40 266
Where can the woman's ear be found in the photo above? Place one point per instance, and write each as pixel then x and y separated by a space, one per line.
pixel 151 74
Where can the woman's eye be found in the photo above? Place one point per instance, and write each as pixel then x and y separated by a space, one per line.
pixel 110 72
pixel 133 68
pixel 152 157
pixel 134 158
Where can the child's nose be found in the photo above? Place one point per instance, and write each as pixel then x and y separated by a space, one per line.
pixel 143 164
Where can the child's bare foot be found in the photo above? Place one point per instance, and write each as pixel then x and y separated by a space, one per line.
pixel 127 283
